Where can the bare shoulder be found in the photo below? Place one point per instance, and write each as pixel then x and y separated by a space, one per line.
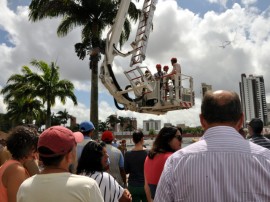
pixel 14 175
pixel 17 171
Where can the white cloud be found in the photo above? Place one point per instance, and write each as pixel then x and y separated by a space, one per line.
pixel 2 104
pixel 82 86
pixel 248 2
pixel 193 39
pixel 223 3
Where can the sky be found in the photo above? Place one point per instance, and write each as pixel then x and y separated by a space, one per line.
pixel 194 31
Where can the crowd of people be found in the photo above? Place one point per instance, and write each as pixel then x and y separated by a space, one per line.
pixel 61 165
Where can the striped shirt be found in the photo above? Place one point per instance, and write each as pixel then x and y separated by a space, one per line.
pixel 222 166
pixel 260 140
pixel 109 187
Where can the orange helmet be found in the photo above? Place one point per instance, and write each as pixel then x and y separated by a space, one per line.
pixel 174 60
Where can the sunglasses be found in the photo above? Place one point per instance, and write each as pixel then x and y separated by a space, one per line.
pixel 179 137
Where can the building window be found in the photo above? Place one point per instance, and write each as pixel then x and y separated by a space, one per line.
pixel 147 126
pixel 156 125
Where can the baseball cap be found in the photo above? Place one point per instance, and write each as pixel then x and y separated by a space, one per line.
pixel 86 126
pixel 60 140
pixel 107 136
pixel 255 122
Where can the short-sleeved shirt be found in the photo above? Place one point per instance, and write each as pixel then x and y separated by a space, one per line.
pixel 116 162
pixel 158 75
pixel 134 166
pixel 154 167
pixel 59 187
pixel 260 140
pixel 176 70
pixel 109 187
pixel 81 145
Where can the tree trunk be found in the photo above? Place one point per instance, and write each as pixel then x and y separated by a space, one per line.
pixel 48 115
pixel 94 92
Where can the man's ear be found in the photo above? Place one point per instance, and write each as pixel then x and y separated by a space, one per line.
pixel 69 157
pixel 240 122
pixel 203 121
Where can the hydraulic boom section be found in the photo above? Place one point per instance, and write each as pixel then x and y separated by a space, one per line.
pixel 143 31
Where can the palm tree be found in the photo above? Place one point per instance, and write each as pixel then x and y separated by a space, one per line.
pixel 55 120
pixel 21 106
pixel 93 18
pixel 5 124
pixel 46 86
pixel 102 126
pixel 122 121
pixel 130 127
pixel 112 121
pixel 41 119
pixel 63 116
pixel 24 110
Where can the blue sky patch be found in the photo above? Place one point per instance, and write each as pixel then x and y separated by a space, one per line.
pixel 4 38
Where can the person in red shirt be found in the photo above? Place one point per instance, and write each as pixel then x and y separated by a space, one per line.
pixel 168 140
pixel 22 144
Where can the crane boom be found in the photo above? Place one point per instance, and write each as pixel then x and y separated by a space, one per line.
pixel 114 34
pixel 143 31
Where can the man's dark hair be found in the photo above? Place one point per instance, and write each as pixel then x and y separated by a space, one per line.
pixel 137 136
pixel 22 141
pixel 256 125
pixel 86 133
pixel 227 110
pixel 49 161
pixel 108 141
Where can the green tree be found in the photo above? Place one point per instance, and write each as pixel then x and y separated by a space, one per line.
pixel 23 110
pixel 102 126
pixel 112 121
pixel 46 86
pixel 93 18
pixel 63 116
pixel 122 121
pixel 130 127
pixel 152 133
pixel 21 106
pixel 5 124
pixel 41 119
pixel 55 120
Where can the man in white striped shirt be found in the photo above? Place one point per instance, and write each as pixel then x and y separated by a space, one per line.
pixel 222 166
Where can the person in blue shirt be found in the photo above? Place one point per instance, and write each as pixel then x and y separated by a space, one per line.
pixel 87 129
pixel 116 167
